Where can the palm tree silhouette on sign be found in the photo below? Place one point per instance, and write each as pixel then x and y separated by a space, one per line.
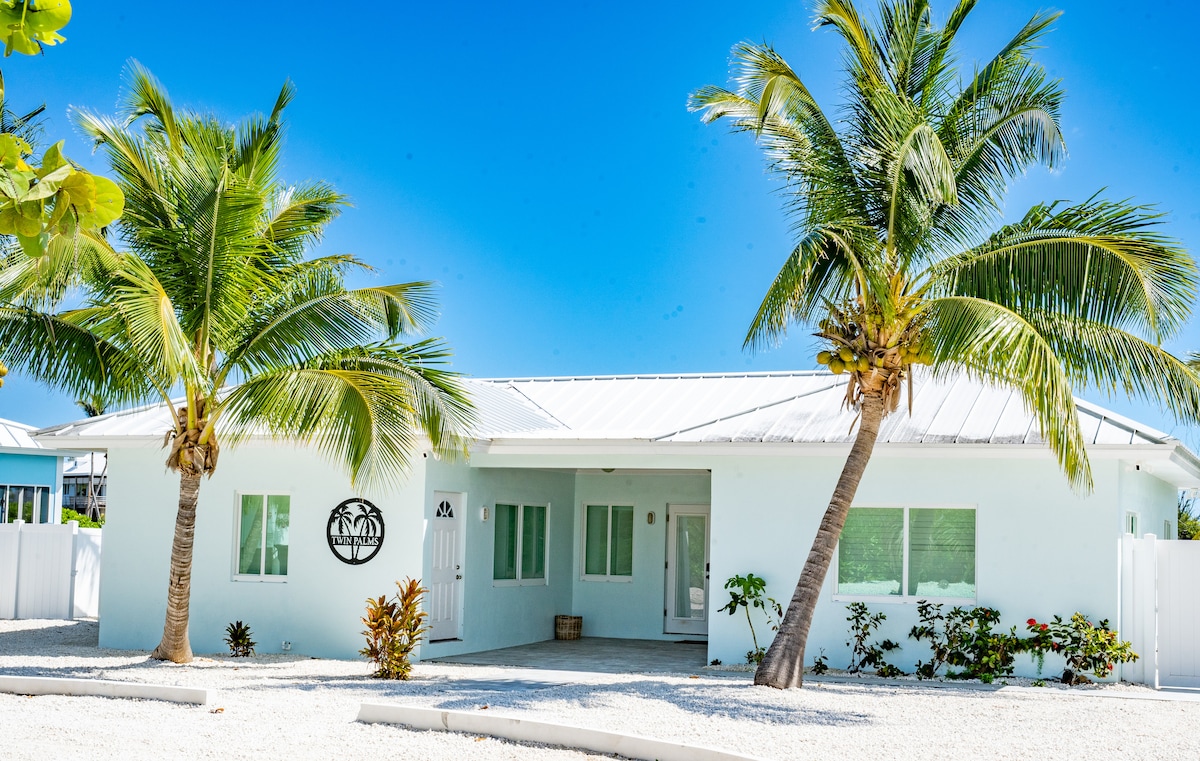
pixel 368 522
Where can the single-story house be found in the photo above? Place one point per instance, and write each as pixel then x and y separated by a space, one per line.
pixel 30 476
pixel 628 501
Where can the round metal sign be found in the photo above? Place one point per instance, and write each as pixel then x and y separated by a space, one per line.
pixel 355 531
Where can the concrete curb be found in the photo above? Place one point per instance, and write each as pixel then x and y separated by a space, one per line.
pixel 105 688
pixel 547 733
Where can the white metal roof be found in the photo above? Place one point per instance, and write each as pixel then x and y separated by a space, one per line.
pixel 798 407
pixel 14 435
pixel 92 463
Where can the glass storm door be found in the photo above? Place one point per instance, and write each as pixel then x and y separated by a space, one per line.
pixel 687 570
pixel 445 600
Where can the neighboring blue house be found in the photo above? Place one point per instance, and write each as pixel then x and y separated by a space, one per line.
pixel 30 477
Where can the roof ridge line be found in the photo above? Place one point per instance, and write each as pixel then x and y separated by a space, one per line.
pixel 723 418
pixel 655 376
pixel 539 407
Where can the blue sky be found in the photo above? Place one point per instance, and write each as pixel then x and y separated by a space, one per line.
pixel 537 158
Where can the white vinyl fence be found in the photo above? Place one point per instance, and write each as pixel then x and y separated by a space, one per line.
pixel 49 571
pixel 1160 610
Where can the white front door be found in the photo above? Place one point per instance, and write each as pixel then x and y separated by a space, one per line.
pixel 687 570
pixel 445 602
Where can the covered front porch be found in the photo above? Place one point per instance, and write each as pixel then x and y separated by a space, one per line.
pixel 624 548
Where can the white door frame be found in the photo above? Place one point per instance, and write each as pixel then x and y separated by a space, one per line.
pixel 443 627
pixel 673 624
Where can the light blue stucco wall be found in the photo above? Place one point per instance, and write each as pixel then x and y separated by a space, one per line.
pixel 502 616
pixel 633 609
pixel 320 605
pixel 1041 549
pixel 1152 499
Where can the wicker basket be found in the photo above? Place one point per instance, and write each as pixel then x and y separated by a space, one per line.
pixel 568 627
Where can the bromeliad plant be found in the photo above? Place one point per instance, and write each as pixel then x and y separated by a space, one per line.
pixel 394 629
pixel 898 261
pixel 238 638
pixel 750 591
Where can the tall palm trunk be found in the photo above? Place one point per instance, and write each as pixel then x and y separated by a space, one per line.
pixel 783 665
pixel 175 645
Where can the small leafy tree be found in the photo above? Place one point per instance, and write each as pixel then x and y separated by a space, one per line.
pixel 750 591
pixel 863 652
pixel 394 629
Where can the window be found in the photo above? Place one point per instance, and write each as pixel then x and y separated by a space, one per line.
pixel 520 549
pixel 262 536
pixel 1131 523
pixel 899 552
pixel 608 542
pixel 25 503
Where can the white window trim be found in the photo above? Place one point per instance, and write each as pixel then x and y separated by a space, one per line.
pixel 907 599
pixel 36 506
pixel 605 577
pixel 520 582
pixel 260 578
pixel 1131 515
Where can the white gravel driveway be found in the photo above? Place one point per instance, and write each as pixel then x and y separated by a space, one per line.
pixel 277 708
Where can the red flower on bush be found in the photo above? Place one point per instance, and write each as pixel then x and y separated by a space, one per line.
pixel 1045 627
pixel 1031 622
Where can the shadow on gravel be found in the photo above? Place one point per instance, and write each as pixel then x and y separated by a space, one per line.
pixel 82 634
pixel 700 700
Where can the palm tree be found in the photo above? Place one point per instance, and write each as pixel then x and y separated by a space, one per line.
pixel 215 291
pixel 897 261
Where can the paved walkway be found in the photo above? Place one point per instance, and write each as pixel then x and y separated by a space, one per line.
pixel 596 654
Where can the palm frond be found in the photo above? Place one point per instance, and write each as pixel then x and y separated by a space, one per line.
pixel 1103 261
pixel 363 408
pixel 990 342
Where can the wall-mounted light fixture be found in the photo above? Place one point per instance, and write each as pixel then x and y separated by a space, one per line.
pixel 483 513
pixel 608 470
pixel 650 517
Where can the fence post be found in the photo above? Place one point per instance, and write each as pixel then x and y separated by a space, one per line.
pixel 74 525
pixel 1149 611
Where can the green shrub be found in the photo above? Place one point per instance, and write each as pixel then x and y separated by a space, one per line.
pixel 84 522
pixel 965 638
pixel 237 636
pixel 1086 647
pixel 864 654
pixel 394 629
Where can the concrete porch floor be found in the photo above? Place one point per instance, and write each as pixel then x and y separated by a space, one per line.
pixel 610 656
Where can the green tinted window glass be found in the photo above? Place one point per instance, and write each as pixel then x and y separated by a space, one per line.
pixel 595 551
pixel 279 519
pixel 250 533
pixel 871 552
pixel 504 559
pixel 621 561
pixel 533 542
pixel 941 553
